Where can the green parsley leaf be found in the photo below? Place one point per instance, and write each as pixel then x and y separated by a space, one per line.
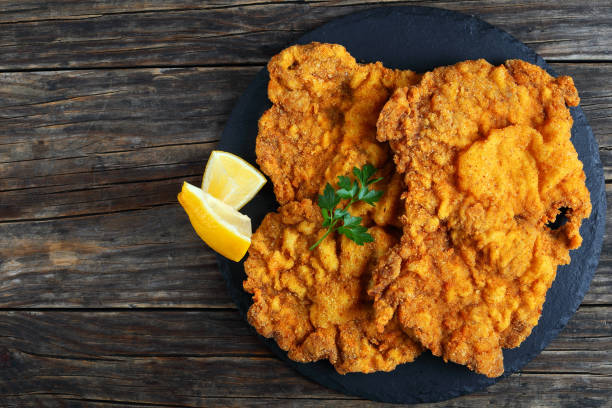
pixel 329 200
pixel 357 234
pixel 347 187
pixel 348 221
pixel 326 217
pixel 353 191
pixel 371 196
pixel 364 174
pixel 340 213
pixel 344 182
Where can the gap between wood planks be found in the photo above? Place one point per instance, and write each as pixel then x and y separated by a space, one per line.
pixel 237 65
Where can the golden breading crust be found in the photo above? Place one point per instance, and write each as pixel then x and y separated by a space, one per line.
pixel 323 118
pixel 321 125
pixel 487 162
pixel 314 303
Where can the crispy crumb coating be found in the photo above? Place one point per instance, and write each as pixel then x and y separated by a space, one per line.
pixel 323 118
pixel 487 161
pixel 321 125
pixel 315 303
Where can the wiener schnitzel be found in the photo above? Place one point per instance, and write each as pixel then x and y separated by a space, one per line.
pixel 314 303
pixel 323 119
pixel 323 124
pixel 487 162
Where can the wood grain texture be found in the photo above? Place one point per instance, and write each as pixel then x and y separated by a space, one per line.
pixel 170 33
pixel 204 356
pixel 86 142
pixel 223 333
pixel 138 258
pixel 550 394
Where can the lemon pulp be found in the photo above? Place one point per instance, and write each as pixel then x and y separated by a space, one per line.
pixel 231 179
pixel 222 227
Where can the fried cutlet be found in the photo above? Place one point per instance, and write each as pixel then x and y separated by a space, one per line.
pixel 323 124
pixel 323 119
pixel 488 164
pixel 314 303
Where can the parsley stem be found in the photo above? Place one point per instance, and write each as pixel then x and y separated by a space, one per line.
pixel 350 203
pixel 329 230
pixel 354 191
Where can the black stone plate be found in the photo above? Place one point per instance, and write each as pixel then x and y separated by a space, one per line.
pixel 420 39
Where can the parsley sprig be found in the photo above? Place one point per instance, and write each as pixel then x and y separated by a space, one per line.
pixel 353 191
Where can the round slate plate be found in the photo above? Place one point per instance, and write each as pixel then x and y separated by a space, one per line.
pixel 420 39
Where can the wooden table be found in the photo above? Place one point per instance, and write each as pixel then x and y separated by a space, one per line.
pixel 107 296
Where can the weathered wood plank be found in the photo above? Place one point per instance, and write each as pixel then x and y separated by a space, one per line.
pixel 59 114
pixel 599 292
pixel 151 333
pixel 565 398
pixel 198 357
pixel 191 381
pixel 595 96
pixel 128 259
pixel 223 333
pixel 175 380
pixel 156 33
pixel 98 183
pixel 84 142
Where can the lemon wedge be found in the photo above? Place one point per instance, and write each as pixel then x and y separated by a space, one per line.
pixel 231 179
pixel 222 227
